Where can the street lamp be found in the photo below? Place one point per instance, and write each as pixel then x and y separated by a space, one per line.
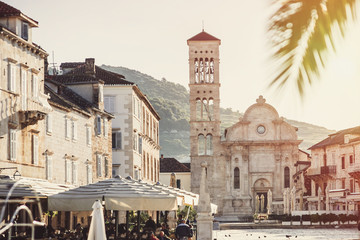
pixel 17 175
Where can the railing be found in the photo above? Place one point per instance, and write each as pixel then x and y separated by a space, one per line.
pixel 353 168
pixel 330 169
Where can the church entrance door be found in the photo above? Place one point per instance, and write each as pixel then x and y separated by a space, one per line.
pixel 262 201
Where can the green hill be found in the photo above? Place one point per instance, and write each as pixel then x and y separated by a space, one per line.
pixel 171 101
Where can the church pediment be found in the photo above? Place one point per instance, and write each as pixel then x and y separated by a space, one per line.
pixel 261 122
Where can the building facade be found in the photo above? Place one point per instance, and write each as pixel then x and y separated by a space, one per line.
pixel 257 154
pixel 135 131
pixel 135 127
pixel 23 102
pixel 71 133
pixel 335 172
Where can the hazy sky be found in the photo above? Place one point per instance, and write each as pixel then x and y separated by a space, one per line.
pixel 150 36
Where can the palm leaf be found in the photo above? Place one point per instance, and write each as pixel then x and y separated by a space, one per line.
pixel 300 33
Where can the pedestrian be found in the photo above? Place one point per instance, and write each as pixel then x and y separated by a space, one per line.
pixel 164 228
pixel 150 224
pixel 183 231
pixel 162 236
pixel 151 236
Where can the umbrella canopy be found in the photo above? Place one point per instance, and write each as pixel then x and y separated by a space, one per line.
pixel 30 188
pixel 97 226
pixel 183 197
pixel 118 193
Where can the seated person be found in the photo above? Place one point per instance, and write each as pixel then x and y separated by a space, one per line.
pixel 150 224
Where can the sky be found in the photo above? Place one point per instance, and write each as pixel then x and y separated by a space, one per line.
pixel 150 36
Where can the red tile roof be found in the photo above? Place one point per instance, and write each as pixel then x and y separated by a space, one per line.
pixel 9 11
pixel 336 138
pixel 78 75
pixel 203 36
pixel 169 165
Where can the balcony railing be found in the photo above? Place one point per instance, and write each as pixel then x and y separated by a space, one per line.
pixel 330 169
pixel 354 168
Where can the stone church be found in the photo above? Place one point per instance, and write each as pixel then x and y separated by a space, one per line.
pixel 257 154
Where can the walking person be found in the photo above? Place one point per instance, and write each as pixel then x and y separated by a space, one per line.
pixel 183 231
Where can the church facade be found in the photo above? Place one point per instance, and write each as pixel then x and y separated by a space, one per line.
pixel 257 154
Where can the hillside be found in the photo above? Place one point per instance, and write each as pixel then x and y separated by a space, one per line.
pixel 171 101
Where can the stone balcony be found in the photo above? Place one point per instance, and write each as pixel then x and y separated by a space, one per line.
pixel 35 109
pixel 322 173
pixel 354 171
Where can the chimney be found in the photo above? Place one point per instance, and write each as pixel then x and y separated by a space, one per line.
pixel 90 66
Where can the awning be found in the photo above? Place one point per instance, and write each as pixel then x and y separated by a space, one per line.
pixel 183 197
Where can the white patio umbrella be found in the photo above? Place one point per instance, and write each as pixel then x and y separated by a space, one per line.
pixel 183 197
pixel 97 226
pixel 118 193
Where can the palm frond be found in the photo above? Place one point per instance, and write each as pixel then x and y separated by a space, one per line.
pixel 300 32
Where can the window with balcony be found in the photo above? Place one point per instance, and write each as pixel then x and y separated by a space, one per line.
pixel 343 183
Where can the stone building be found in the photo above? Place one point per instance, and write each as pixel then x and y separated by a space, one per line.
pixel 71 133
pixel 181 171
pixel 135 128
pixel 135 131
pixel 255 155
pixel 83 89
pixel 23 104
pixel 335 171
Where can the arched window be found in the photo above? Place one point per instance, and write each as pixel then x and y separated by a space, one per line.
pixel 211 109
pixel 209 145
pixel 205 110
pixel 236 178
pixel 207 70
pixel 198 110
pixel 211 70
pixel 201 145
pixel 286 177
pixel 201 70
pixel 196 70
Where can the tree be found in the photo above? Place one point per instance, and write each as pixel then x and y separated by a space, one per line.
pixel 300 33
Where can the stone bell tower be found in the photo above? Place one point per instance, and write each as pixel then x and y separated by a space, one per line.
pixel 204 103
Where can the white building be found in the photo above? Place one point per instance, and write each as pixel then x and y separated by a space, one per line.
pixel 335 170
pixel 23 104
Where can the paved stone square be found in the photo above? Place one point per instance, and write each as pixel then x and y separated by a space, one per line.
pixel 303 234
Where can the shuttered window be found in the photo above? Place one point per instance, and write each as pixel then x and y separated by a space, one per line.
pixel 74 129
pixel 106 132
pixel 98 125
pixel 68 171
pixel 35 86
pixel 49 123
pixel 74 173
pixel 12 143
pixel 49 167
pixel 24 89
pixel 109 104
pixel 116 140
pixel 35 149
pixel 99 165
pixel 88 136
pixel 67 128
pixel 89 173
pixel 12 77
